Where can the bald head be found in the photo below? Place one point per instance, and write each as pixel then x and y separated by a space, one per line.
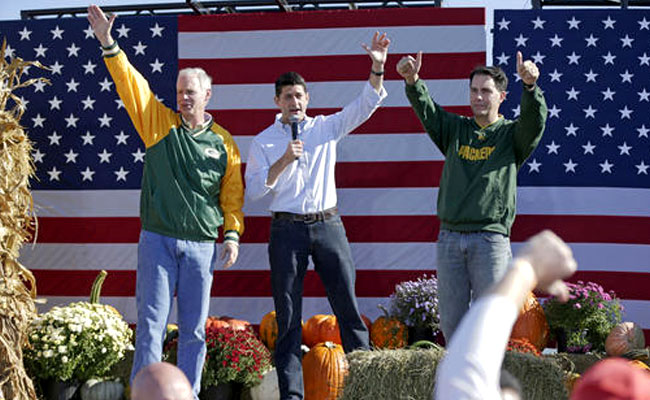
pixel 161 381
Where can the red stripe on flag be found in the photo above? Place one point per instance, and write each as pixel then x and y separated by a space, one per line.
pixel 585 228
pixel 365 229
pixel 88 230
pixel 626 285
pixel 388 174
pixel 384 120
pixel 318 68
pixel 424 16
pixel 391 174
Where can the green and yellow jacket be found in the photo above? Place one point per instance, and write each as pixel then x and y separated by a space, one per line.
pixel 191 182
pixel 478 187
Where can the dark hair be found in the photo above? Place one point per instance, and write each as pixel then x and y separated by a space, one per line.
pixel 498 76
pixel 508 381
pixel 289 79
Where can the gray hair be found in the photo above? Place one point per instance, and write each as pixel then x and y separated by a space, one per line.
pixel 204 79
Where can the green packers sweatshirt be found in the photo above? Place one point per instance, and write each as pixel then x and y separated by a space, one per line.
pixel 191 181
pixel 478 187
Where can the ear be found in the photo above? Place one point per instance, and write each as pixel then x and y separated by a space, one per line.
pixel 276 100
pixel 208 94
pixel 307 97
pixel 502 96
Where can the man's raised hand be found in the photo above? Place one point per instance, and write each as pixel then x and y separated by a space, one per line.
pixel 551 260
pixel 101 25
pixel 378 51
pixel 527 70
pixel 409 67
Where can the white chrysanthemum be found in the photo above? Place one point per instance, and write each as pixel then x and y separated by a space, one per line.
pixel 62 349
pixel 64 359
pixel 48 353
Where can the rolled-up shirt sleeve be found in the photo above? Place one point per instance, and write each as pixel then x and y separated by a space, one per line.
pixel 257 170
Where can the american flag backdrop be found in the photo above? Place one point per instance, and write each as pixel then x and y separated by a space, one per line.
pixel 89 157
pixel 589 178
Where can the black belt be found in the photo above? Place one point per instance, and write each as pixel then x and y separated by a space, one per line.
pixel 307 218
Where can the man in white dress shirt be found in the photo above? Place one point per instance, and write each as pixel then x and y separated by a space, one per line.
pixel 298 174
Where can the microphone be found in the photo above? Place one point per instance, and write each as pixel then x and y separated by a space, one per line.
pixel 294 119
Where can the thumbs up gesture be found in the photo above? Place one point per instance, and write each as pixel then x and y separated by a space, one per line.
pixel 527 70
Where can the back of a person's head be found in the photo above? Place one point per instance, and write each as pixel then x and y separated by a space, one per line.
pixel 613 379
pixel 161 381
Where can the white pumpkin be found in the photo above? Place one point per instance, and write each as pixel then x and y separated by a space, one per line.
pixel 95 389
pixel 268 388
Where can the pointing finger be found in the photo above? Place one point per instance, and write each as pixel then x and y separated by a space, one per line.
pixel 520 59
pixel 418 61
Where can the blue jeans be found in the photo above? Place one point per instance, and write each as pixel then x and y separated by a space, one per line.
pixel 167 265
pixel 290 245
pixel 468 264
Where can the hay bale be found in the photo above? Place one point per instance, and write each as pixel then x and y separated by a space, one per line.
pixel 391 374
pixel 541 378
pixel 408 374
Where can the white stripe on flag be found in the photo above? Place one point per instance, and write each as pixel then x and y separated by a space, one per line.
pixel 369 201
pixel 330 41
pixel 367 256
pixel 374 147
pixel 332 94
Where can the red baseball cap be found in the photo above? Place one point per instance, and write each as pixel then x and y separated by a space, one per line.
pixel 613 379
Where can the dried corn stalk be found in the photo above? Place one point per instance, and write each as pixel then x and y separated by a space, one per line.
pixel 17 284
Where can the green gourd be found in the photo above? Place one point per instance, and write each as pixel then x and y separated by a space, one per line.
pixel 95 389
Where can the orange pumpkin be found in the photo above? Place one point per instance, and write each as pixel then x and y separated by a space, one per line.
pixel 388 333
pixel 324 368
pixel 624 337
pixel 321 328
pixel 269 330
pixel 531 323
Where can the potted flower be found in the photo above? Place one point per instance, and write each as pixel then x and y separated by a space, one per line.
pixel 415 303
pixel 585 320
pixel 76 342
pixel 234 356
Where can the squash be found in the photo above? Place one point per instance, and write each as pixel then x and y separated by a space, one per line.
pixel 639 364
pixel 96 290
pixel 531 323
pixel 388 333
pixel 95 389
pixel 171 333
pixel 321 328
pixel 624 337
pixel 269 330
pixel 570 380
pixel 324 369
